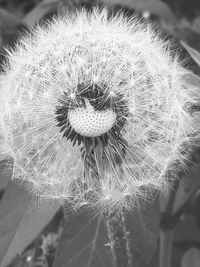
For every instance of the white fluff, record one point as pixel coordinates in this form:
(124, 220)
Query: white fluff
(132, 61)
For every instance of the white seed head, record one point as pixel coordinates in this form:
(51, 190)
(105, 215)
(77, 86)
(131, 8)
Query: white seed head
(95, 110)
(91, 123)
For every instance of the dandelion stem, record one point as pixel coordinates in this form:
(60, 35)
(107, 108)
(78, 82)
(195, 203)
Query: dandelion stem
(170, 219)
(119, 239)
(166, 238)
(167, 214)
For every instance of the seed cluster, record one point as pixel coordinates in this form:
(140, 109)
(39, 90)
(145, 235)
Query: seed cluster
(91, 114)
(94, 110)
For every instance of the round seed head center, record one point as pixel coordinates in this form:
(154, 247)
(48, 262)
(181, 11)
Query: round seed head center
(89, 122)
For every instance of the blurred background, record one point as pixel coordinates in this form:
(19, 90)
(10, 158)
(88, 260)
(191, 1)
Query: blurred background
(177, 19)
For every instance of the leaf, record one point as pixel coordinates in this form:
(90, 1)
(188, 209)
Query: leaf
(191, 258)
(83, 243)
(153, 6)
(187, 188)
(8, 20)
(26, 260)
(84, 240)
(21, 221)
(193, 53)
(143, 226)
(186, 230)
(39, 12)
(5, 173)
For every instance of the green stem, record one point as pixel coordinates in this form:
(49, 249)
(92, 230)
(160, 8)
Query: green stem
(169, 220)
(119, 239)
(166, 232)
(166, 238)
(176, 216)
(172, 197)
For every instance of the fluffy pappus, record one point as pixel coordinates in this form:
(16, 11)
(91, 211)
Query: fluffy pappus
(95, 110)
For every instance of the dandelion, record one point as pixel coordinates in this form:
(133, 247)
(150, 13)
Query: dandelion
(95, 110)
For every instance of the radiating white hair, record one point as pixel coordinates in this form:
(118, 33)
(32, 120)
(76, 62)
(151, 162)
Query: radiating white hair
(113, 73)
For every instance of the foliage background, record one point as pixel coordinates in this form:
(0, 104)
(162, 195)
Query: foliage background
(166, 232)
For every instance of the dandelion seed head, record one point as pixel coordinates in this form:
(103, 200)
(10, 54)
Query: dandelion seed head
(90, 123)
(93, 110)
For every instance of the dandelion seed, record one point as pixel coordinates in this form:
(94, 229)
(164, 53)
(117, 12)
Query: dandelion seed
(95, 110)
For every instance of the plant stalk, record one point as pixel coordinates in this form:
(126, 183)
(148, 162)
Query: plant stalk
(119, 239)
(165, 253)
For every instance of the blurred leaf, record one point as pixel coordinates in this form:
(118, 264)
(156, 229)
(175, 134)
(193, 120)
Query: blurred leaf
(190, 183)
(186, 230)
(153, 6)
(193, 53)
(8, 20)
(5, 173)
(21, 221)
(196, 208)
(143, 226)
(26, 260)
(37, 13)
(1, 42)
(84, 240)
(83, 243)
(191, 258)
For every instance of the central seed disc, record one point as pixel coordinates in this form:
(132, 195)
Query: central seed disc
(89, 122)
